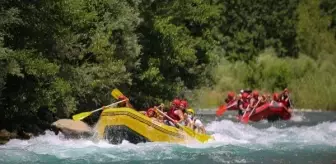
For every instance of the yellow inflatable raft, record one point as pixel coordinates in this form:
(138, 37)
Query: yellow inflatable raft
(117, 124)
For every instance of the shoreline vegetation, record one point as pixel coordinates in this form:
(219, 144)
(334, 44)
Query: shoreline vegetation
(62, 57)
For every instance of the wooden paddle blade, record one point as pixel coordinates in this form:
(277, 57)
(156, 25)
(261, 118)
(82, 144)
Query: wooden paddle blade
(116, 93)
(221, 109)
(81, 116)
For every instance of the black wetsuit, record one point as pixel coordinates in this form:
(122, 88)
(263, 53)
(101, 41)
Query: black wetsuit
(240, 102)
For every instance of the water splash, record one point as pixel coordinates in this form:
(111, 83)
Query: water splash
(228, 132)
(235, 143)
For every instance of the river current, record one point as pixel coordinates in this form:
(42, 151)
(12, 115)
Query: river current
(309, 137)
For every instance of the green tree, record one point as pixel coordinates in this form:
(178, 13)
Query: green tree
(178, 48)
(313, 29)
(63, 55)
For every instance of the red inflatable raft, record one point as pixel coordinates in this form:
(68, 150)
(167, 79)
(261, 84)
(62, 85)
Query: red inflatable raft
(271, 111)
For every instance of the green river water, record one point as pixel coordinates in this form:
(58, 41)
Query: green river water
(309, 137)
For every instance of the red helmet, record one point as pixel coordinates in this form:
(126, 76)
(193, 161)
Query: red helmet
(275, 96)
(255, 93)
(184, 104)
(245, 95)
(150, 110)
(176, 102)
(122, 97)
(231, 94)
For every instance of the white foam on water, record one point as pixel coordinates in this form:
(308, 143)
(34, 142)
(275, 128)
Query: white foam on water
(62, 148)
(298, 116)
(227, 132)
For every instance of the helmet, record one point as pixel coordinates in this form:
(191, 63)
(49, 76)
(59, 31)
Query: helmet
(150, 110)
(275, 96)
(184, 104)
(176, 102)
(245, 95)
(231, 94)
(122, 97)
(255, 93)
(190, 111)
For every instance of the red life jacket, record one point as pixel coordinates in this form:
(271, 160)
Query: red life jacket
(245, 104)
(172, 114)
(228, 100)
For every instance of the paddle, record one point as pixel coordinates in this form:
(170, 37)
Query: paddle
(221, 109)
(83, 115)
(116, 93)
(243, 117)
(189, 131)
(254, 108)
(246, 119)
(291, 105)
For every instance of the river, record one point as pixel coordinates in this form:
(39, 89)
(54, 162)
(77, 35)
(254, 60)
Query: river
(309, 137)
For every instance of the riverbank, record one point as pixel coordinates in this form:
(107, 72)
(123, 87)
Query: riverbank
(6, 136)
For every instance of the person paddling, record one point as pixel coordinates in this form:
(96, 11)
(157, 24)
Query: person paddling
(183, 108)
(284, 98)
(275, 99)
(125, 103)
(175, 112)
(231, 101)
(151, 113)
(193, 122)
(243, 103)
(230, 98)
(263, 99)
(255, 99)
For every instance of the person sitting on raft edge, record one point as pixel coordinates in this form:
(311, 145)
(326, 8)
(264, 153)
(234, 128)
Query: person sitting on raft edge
(152, 113)
(125, 103)
(230, 98)
(276, 100)
(183, 107)
(193, 122)
(176, 112)
(243, 103)
(255, 99)
(284, 98)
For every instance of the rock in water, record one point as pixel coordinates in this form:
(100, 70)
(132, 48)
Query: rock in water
(71, 128)
(4, 134)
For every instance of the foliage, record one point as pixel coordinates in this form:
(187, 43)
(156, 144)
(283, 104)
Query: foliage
(65, 56)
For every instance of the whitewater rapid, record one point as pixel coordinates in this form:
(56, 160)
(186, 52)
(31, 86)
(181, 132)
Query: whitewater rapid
(238, 143)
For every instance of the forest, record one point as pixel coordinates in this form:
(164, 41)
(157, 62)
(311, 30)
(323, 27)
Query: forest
(62, 57)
